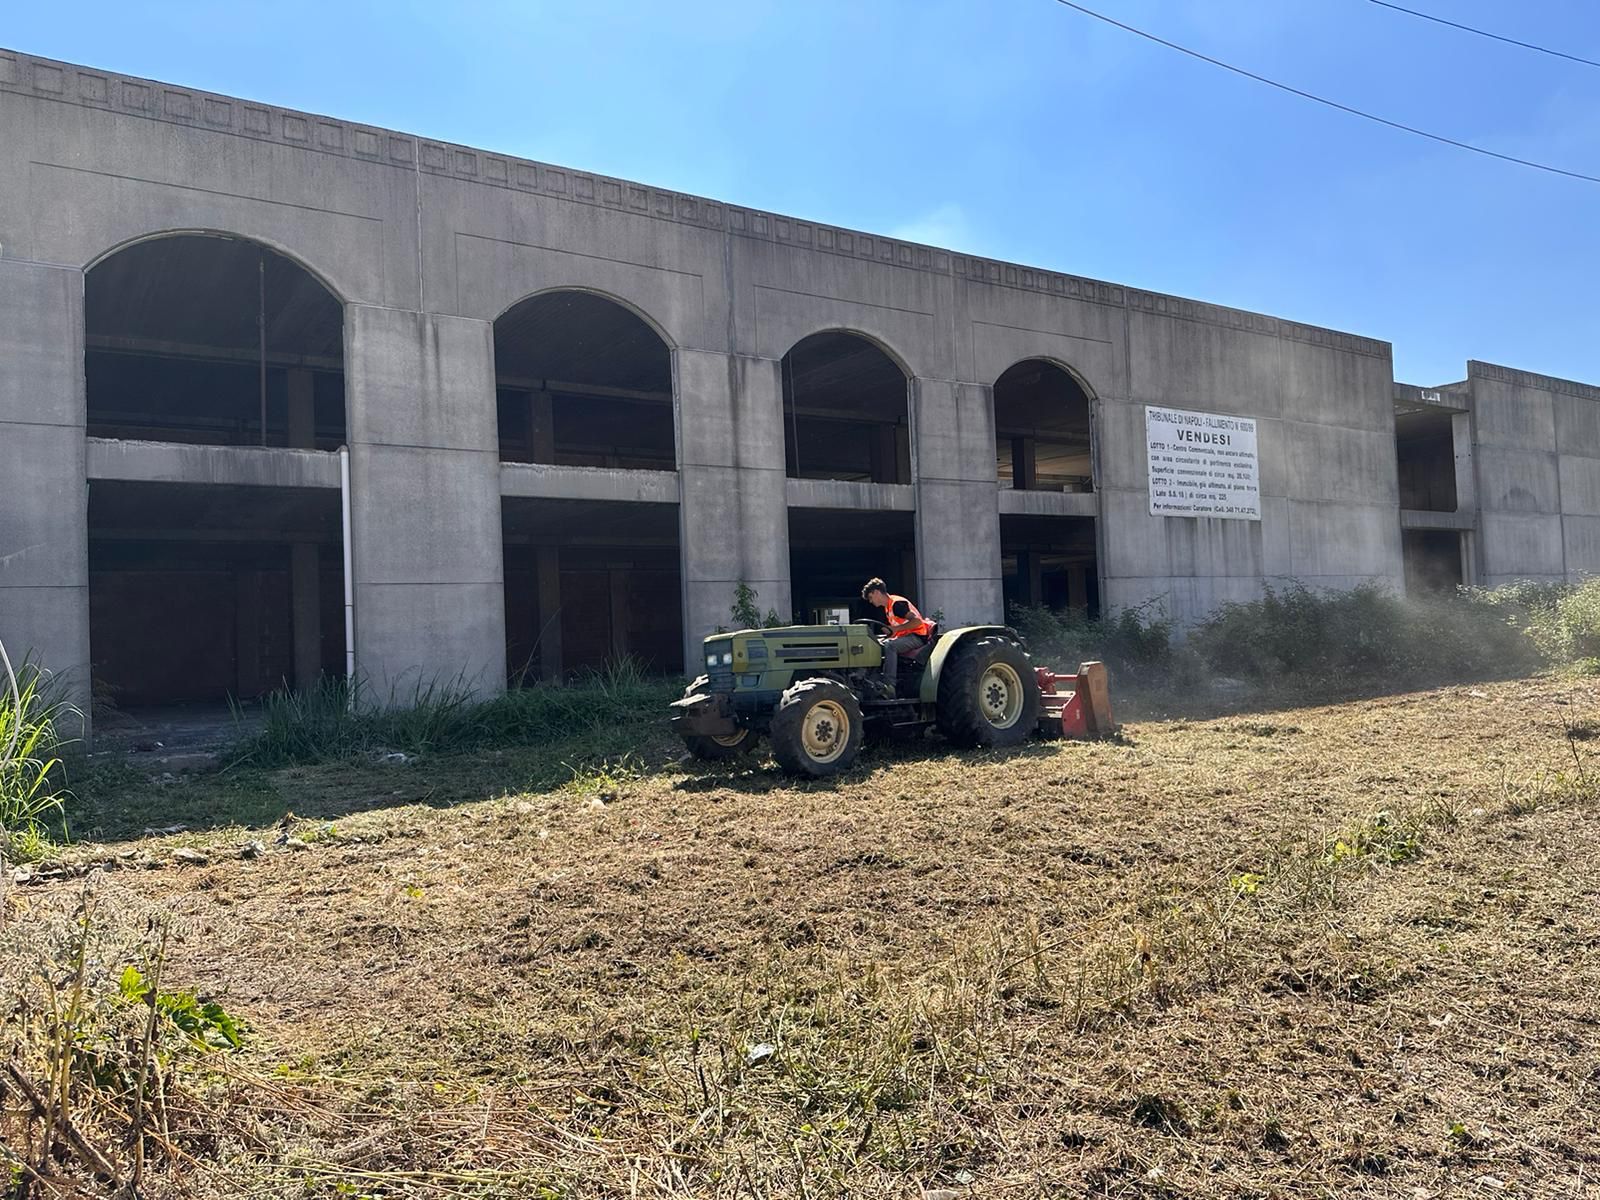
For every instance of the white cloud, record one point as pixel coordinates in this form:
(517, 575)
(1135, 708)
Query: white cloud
(944, 225)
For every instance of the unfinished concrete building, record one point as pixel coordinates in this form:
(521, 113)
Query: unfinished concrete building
(580, 414)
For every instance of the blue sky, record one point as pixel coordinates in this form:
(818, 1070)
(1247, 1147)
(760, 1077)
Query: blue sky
(1016, 129)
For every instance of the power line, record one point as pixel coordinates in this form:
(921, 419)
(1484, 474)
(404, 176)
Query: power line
(1510, 41)
(1345, 108)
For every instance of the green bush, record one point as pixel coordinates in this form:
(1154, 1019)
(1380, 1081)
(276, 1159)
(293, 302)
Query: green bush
(1297, 634)
(1133, 643)
(325, 722)
(1562, 619)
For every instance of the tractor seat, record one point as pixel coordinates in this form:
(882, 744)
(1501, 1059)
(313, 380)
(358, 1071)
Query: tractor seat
(921, 653)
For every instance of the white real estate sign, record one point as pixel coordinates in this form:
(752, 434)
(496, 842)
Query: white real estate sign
(1202, 464)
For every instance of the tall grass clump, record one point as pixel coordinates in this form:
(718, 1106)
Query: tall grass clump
(32, 789)
(333, 720)
(1311, 637)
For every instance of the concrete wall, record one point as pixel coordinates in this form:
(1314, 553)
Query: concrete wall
(1537, 458)
(427, 243)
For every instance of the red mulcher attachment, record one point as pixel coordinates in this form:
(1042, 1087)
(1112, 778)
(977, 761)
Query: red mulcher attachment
(1075, 706)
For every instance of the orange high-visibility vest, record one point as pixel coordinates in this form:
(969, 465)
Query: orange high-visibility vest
(915, 624)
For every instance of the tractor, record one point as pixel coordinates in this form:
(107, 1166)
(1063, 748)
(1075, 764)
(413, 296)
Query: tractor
(816, 693)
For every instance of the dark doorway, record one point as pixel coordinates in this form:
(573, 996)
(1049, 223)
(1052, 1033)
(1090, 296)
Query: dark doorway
(833, 552)
(1432, 560)
(589, 583)
(206, 593)
(1049, 562)
(845, 411)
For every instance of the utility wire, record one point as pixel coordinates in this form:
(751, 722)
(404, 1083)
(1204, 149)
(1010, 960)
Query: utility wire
(1345, 108)
(1510, 41)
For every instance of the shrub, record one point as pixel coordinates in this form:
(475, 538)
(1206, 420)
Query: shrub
(1311, 636)
(1132, 642)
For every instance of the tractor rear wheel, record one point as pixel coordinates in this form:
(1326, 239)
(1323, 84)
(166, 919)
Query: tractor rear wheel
(988, 694)
(716, 748)
(817, 728)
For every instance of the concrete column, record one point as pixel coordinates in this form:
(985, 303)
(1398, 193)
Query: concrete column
(733, 516)
(885, 454)
(44, 547)
(1078, 588)
(1466, 473)
(1030, 583)
(302, 409)
(541, 427)
(958, 518)
(549, 568)
(1024, 464)
(619, 614)
(247, 634)
(425, 495)
(305, 587)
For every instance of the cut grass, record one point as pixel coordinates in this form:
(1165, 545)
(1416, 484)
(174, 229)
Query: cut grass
(1133, 968)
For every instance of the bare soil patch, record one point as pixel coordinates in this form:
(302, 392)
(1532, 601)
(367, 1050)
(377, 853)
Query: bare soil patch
(1331, 951)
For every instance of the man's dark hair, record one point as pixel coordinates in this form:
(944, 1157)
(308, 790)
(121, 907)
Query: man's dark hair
(873, 585)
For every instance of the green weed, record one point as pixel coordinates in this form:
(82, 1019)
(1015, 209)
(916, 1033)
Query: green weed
(32, 792)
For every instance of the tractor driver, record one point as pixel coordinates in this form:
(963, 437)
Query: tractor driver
(908, 629)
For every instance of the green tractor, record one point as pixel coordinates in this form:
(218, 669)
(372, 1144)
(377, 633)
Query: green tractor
(816, 693)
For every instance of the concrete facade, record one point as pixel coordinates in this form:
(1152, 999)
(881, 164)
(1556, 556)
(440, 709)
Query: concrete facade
(425, 244)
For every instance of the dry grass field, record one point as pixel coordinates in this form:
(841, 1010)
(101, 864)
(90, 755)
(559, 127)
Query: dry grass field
(1344, 951)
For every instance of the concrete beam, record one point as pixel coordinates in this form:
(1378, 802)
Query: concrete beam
(851, 494)
(1050, 504)
(1416, 518)
(544, 481)
(247, 466)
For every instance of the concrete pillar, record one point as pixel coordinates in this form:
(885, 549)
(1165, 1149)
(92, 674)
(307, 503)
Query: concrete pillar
(302, 409)
(247, 634)
(549, 568)
(541, 427)
(425, 498)
(1030, 580)
(44, 547)
(305, 587)
(1078, 589)
(885, 454)
(619, 614)
(1466, 474)
(958, 519)
(1024, 464)
(733, 518)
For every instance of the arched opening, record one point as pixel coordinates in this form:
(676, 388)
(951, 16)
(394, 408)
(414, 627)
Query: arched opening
(213, 577)
(1042, 444)
(212, 339)
(583, 381)
(1041, 427)
(845, 410)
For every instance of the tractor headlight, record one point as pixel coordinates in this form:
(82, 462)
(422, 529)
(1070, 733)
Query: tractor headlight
(711, 660)
(727, 658)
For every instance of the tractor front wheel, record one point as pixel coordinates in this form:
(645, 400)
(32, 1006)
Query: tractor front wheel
(816, 729)
(717, 748)
(988, 694)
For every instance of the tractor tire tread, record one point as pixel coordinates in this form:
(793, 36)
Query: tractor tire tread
(959, 716)
(785, 734)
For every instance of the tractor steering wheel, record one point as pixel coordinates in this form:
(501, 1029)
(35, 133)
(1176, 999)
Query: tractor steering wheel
(882, 629)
